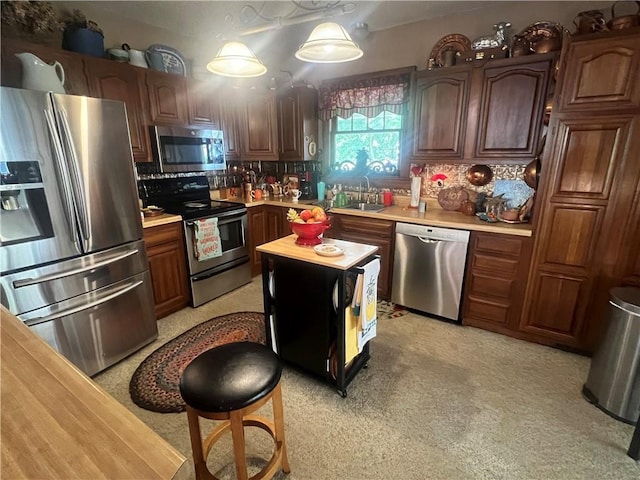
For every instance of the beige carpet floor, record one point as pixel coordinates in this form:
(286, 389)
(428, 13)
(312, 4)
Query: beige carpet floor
(438, 401)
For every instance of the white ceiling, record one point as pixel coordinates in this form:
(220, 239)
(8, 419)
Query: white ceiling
(198, 18)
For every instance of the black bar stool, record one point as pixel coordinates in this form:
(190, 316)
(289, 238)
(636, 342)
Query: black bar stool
(229, 383)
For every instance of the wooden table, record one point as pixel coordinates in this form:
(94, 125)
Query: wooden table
(58, 424)
(302, 308)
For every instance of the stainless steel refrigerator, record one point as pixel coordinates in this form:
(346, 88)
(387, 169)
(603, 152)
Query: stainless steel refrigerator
(73, 263)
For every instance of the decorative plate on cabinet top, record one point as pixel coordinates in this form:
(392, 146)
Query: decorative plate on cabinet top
(542, 30)
(454, 41)
(173, 59)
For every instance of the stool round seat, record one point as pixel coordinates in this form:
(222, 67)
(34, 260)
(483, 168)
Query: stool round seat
(229, 384)
(230, 377)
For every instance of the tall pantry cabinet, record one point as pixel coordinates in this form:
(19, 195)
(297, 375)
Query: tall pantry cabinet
(587, 216)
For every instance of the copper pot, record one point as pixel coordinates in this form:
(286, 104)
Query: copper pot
(547, 44)
(589, 21)
(520, 46)
(468, 208)
(624, 21)
(532, 173)
(479, 175)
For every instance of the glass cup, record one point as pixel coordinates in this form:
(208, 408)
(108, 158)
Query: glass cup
(321, 187)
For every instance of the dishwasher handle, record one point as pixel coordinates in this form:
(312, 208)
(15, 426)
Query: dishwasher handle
(428, 239)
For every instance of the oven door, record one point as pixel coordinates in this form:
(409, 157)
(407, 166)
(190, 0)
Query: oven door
(232, 226)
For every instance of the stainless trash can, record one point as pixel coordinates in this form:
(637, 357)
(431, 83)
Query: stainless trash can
(613, 383)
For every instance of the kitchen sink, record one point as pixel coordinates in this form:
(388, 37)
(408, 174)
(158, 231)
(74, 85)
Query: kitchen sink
(365, 207)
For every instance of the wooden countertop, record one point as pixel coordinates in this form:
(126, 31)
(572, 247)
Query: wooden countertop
(161, 219)
(434, 216)
(58, 424)
(437, 217)
(286, 247)
(279, 202)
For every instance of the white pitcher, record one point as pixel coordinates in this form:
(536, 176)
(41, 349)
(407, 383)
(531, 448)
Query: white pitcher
(38, 75)
(136, 57)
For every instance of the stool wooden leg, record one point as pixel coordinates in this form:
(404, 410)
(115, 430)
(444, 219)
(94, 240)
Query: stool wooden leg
(278, 420)
(237, 434)
(199, 462)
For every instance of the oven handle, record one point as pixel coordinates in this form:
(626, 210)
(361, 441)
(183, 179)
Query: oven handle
(221, 268)
(226, 216)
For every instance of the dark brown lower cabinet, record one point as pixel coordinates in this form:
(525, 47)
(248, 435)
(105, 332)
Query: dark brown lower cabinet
(371, 232)
(167, 264)
(257, 235)
(495, 282)
(277, 224)
(266, 224)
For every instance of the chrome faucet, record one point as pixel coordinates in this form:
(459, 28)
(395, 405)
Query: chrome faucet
(360, 196)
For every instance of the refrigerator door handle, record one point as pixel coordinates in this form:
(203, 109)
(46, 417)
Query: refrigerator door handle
(76, 182)
(58, 154)
(84, 306)
(26, 282)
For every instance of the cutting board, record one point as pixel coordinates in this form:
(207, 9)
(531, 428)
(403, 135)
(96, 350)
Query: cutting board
(451, 198)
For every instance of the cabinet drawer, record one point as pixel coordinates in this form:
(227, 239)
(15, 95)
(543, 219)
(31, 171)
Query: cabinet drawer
(490, 285)
(509, 266)
(171, 232)
(486, 310)
(499, 244)
(367, 226)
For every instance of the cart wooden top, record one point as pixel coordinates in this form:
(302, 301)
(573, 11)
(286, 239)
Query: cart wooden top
(285, 247)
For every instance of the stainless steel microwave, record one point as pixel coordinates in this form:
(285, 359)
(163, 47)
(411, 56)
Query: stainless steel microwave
(178, 149)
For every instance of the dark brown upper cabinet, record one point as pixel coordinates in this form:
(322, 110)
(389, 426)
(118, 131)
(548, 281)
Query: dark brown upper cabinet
(204, 108)
(440, 105)
(511, 107)
(120, 81)
(230, 127)
(297, 110)
(167, 98)
(488, 113)
(606, 77)
(249, 123)
(258, 126)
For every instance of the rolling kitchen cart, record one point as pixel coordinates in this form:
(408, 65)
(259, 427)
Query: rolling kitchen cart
(305, 301)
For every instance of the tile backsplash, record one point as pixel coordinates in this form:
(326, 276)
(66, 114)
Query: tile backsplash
(457, 175)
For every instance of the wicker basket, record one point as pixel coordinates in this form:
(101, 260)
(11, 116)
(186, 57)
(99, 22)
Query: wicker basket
(401, 200)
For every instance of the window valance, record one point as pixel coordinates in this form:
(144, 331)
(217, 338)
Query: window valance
(368, 94)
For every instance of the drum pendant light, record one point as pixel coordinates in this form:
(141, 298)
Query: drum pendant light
(235, 59)
(329, 43)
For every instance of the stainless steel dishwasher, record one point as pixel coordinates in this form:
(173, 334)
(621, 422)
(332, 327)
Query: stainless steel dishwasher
(428, 269)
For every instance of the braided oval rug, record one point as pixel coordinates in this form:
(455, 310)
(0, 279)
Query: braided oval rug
(155, 383)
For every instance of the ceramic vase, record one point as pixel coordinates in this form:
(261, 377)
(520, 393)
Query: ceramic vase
(415, 192)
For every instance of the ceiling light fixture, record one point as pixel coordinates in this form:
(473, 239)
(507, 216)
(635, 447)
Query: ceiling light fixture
(235, 59)
(329, 43)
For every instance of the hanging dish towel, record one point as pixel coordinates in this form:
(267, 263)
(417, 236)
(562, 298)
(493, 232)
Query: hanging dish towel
(206, 239)
(369, 299)
(351, 331)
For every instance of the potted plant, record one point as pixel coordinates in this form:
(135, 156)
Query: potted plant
(32, 21)
(81, 35)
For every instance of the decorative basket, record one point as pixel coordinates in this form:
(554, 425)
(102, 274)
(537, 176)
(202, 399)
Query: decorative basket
(402, 200)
